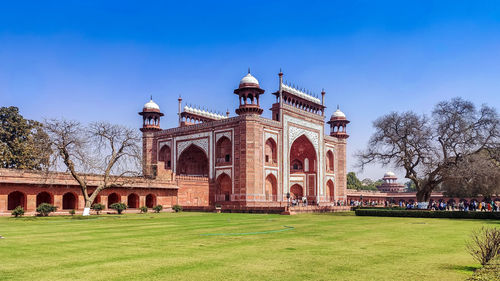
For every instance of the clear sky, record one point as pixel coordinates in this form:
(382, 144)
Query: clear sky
(89, 60)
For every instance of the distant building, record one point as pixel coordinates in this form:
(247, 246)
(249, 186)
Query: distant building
(390, 184)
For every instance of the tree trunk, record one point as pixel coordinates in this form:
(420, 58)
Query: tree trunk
(86, 210)
(423, 197)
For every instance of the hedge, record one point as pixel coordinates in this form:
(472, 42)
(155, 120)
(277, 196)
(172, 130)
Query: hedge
(377, 208)
(428, 214)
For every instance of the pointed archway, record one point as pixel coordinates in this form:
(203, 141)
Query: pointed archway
(303, 162)
(296, 191)
(193, 162)
(150, 200)
(330, 190)
(113, 198)
(224, 188)
(271, 188)
(44, 197)
(69, 201)
(15, 199)
(133, 201)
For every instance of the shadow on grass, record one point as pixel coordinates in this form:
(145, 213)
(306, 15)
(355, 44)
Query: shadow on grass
(468, 269)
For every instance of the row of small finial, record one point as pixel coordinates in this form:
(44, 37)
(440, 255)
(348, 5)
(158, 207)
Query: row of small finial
(203, 111)
(303, 90)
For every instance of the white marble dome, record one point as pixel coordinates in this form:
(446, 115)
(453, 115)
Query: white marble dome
(338, 114)
(152, 105)
(389, 175)
(249, 79)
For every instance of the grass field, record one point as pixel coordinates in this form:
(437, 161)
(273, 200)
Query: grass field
(189, 246)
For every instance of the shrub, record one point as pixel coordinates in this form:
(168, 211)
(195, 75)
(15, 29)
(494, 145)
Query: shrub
(490, 271)
(158, 208)
(428, 214)
(72, 212)
(18, 211)
(177, 208)
(45, 209)
(484, 244)
(143, 209)
(119, 207)
(97, 207)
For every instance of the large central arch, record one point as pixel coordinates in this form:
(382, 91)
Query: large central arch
(193, 162)
(302, 151)
(303, 162)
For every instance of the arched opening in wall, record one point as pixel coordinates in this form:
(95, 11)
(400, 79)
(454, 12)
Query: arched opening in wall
(329, 161)
(296, 166)
(271, 152)
(150, 200)
(43, 197)
(69, 201)
(15, 199)
(302, 151)
(330, 190)
(271, 188)
(223, 151)
(166, 156)
(193, 162)
(296, 191)
(224, 188)
(133, 201)
(113, 198)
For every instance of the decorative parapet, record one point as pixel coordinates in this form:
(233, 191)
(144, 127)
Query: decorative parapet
(299, 93)
(204, 113)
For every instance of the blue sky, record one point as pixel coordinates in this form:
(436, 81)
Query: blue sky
(88, 60)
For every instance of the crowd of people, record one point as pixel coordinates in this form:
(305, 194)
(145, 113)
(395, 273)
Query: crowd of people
(483, 206)
(463, 205)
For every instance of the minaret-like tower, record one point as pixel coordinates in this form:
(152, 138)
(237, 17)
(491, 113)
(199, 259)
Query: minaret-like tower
(249, 92)
(150, 123)
(338, 123)
(150, 117)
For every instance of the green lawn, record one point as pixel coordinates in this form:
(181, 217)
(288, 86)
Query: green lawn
(170, 246)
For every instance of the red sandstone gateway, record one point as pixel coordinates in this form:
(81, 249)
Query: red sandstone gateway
(245, 162)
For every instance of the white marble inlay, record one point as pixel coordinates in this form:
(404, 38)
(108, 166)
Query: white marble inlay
(201, 143)
(224, 134)
(219, 172)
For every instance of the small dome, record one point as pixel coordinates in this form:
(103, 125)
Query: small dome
(151, 105)
(249, 79)
(338, 114)
(389, 175)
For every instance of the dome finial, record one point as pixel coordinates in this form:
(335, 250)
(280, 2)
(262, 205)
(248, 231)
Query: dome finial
(338, 107)
(151, 97)
(249, 70)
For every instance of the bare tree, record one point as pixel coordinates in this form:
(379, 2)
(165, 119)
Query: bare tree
(426, 147)
(475, 175)
(110, 153)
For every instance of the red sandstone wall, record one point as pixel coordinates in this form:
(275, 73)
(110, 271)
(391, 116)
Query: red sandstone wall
(165, 197)
(341, 170)
(193, 191)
